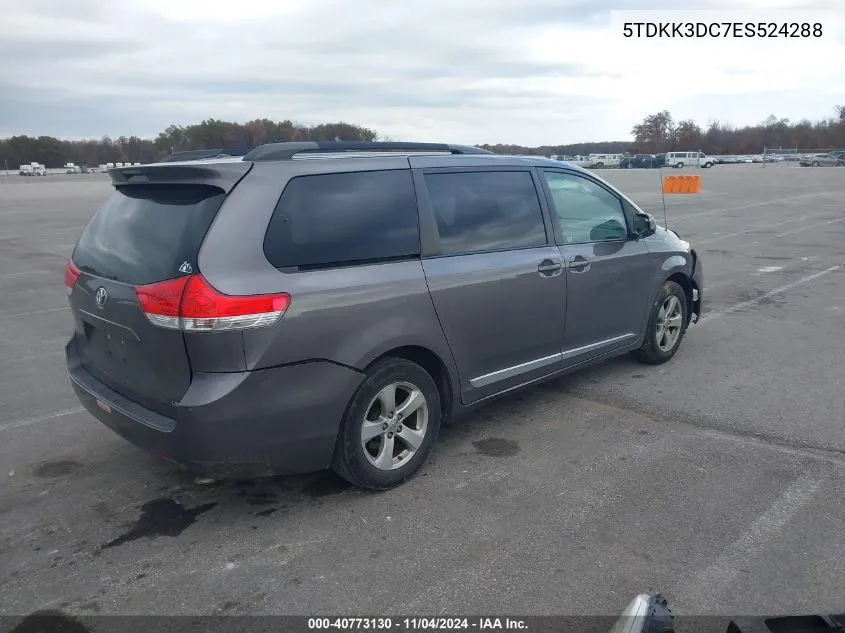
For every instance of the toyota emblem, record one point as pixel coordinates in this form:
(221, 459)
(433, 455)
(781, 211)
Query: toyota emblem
(100, 297)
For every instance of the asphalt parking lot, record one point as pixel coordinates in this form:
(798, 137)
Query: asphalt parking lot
(716, 478)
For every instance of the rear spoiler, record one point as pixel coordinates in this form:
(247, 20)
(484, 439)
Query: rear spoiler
(201, 154)
(224, 175)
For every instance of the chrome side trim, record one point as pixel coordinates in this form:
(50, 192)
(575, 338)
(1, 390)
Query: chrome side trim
(510, 372)
(577, 351)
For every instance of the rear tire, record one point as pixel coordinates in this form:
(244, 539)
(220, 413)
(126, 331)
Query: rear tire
(679, 165)
(667, 324)
(390, 426)
(815, 163)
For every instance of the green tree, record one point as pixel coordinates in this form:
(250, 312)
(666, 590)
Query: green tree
(688, 135)
(656, 132)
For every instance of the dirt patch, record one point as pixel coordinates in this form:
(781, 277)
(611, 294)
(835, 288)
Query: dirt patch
(496, 447)
(56, 468)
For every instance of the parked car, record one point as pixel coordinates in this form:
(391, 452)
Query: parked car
(638, 161)
(580, 161)
(603, 161)
(691, 159)
(316, 305)
(33, 169)
(821, 160)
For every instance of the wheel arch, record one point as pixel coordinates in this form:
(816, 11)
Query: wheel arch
(433, 364)
(684, 281)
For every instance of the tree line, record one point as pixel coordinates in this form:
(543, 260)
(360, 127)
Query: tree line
(209, 134)
(658, 132)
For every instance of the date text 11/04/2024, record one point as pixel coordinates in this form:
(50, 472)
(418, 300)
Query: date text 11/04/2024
(749, 30)
(416, 624)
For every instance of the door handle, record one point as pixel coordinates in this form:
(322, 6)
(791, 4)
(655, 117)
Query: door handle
(579, 264)
(549, 268)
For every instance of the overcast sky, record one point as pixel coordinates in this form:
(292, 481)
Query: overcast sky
(529, 72)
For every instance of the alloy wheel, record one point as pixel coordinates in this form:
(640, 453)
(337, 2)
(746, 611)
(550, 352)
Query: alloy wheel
(669, 324)
(394, 426)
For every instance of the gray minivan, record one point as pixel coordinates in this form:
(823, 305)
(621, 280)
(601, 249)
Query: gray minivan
(316, 305)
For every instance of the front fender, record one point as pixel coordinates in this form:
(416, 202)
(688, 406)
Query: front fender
(689, 266)
(698, 287)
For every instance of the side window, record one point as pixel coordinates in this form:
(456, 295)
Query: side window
(483, 211)
(586, 212)
(338, 219)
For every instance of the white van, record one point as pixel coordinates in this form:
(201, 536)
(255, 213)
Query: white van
(692, 159)
(600, 161)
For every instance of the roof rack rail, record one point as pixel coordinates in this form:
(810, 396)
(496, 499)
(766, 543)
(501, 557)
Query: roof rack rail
(286, 151)
(202, 154)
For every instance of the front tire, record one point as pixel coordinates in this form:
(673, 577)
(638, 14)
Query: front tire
(815, 163)
(679, 165)
(667, 324)
(390, 426)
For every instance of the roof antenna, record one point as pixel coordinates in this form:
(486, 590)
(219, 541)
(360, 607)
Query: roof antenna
(663, 196)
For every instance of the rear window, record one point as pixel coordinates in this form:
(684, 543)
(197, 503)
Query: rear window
(342, 219)
(144, 234)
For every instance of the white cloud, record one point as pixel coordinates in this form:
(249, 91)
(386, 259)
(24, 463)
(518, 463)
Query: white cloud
(530, 72)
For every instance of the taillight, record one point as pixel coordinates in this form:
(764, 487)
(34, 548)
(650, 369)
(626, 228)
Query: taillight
(190, 303)
(71, 275)
(161, 301)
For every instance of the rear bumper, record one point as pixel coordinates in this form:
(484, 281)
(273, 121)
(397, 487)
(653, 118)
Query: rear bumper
(282, 420)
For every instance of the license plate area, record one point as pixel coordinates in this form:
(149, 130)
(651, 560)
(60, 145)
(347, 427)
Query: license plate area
(106, 346)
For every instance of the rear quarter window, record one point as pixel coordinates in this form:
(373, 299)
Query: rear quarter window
(342, 219)
(146, 233)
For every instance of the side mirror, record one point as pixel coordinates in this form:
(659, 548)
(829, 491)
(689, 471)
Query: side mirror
(644, 225)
